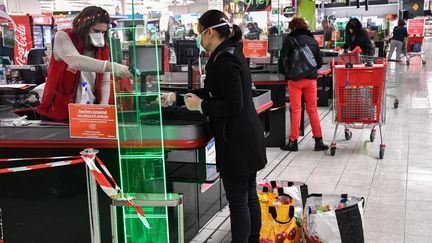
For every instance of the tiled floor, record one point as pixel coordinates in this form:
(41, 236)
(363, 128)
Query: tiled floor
(398, 188)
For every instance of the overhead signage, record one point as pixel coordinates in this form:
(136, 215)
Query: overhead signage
(257, 5)
(92, 121)
(416, 26)
(288, 11)
(255, 48)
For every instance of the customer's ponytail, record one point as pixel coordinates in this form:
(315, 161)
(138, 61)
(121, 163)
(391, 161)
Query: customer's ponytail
(237, 33)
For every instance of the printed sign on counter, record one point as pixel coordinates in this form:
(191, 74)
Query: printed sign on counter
(211, 152)
(92, 121)
(255, 48)
(320, 39)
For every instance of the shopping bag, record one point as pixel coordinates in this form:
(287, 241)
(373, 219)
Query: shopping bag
(277, 217)
(298, 191)
(333, 218)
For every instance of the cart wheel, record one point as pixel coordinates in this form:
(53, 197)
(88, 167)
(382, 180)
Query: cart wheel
(372, 135)
(381, 152)
(424, 62)
(407, 62)
(333, 151)
(348, 135)
(396, 104)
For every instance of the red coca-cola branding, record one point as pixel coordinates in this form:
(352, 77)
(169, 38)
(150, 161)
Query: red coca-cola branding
(23, 39)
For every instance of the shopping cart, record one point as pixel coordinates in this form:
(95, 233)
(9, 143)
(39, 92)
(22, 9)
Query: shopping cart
(356, 58)
(414, 42)
(359, 98)
(391, 83)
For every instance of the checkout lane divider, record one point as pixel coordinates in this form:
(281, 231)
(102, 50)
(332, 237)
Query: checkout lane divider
(88, 157)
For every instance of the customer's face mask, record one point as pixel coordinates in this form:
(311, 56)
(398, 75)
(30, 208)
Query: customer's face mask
(97, 39)
(203, 49)
(199, 37)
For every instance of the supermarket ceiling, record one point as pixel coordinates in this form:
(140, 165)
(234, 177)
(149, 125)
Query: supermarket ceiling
(109, 5)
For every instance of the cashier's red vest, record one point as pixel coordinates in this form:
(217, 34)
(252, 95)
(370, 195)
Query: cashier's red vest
(62, 83)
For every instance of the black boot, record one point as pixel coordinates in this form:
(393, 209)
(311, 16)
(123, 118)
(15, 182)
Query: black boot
(319, 145)
(291, 146)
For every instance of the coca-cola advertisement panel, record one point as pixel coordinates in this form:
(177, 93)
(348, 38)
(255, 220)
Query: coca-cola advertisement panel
(23, 39)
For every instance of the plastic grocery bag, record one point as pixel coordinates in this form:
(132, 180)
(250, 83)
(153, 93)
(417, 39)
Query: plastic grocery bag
(278, 221)
(298, 191)
(333, 218)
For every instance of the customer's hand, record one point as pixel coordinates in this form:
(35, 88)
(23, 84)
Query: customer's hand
(120, 70)
(193, 102)
(168, 99)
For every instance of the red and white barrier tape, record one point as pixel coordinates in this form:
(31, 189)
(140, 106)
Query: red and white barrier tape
(42, 158)
(114, 192)
(41, 166)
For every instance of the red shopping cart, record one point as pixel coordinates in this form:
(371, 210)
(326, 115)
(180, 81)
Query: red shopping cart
(414, 48)
(359, 98)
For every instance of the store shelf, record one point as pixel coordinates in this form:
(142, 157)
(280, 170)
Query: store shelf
(428, 25)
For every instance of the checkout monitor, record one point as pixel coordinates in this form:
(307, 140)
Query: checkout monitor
(275, 42)
(181, 50)
(146, 59)
(38, 72)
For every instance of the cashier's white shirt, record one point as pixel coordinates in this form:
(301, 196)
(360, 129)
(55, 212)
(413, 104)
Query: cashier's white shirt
(65, 50)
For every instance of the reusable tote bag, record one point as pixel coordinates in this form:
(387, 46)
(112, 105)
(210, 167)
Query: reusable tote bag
(279, 224)
(298, 191)
(333, 218)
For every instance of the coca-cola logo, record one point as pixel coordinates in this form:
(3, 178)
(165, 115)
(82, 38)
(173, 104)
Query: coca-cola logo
(21, 44)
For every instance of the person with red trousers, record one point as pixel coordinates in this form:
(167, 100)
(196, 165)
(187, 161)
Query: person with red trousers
(80, 63)
(306, 87)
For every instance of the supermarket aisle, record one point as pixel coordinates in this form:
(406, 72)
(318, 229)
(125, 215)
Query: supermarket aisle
(398, 188)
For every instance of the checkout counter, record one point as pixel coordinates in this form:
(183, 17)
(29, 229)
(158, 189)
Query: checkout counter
(52, 206)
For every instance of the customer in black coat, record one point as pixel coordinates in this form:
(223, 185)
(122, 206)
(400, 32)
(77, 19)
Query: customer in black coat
(357, 36)
(226, 100)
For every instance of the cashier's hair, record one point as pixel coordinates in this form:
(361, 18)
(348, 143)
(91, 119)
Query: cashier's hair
(88, 17)
(214, 17)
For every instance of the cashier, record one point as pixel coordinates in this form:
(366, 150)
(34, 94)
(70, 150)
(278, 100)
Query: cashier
(226, 100)
(79, 70)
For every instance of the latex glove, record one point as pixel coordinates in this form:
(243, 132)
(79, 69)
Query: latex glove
(193, 102)
(121, 71)
(168, 99)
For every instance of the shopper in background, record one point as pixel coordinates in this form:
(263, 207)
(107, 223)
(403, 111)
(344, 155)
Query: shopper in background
(357, 36)
(254, 31)
(306, 87)
(80, 62)
(273, 31)
(397, 41)
(191, 34)
(239, 136)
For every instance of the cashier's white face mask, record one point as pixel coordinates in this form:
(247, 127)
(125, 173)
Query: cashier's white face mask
(97, 39)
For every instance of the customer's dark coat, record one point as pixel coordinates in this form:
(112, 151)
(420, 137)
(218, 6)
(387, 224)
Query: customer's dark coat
(303, 36)
(233, 120)
(360, 38)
